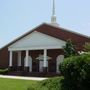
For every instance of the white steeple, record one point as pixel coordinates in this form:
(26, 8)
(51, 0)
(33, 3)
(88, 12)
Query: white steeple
(53, 17)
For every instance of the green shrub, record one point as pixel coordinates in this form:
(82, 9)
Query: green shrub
(51, 84)
(48, 84)
(4, 71)
(69, 49)
(76, 72)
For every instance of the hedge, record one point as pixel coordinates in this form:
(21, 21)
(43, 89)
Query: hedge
(76, 72)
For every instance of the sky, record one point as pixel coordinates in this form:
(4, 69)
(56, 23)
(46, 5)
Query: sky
(20, 16)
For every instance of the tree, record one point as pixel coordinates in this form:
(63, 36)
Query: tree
(69, 49)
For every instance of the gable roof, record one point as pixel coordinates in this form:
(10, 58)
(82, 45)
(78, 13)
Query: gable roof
(62, 33)
(57, 32)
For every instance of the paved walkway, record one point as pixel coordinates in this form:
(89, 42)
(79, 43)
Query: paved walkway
(23, 78)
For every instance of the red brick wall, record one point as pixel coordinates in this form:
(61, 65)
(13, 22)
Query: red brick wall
(4, 57)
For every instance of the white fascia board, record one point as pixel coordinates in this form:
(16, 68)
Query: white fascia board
(35, 48)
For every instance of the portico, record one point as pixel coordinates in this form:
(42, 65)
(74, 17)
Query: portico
(36, 41)
(27, 62)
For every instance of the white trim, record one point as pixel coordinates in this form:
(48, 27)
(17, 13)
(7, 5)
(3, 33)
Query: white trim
(35, 48)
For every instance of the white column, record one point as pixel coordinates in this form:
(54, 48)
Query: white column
(19, 58)
(30, 63)
(45, 58)
(10, 59)
(27, 57)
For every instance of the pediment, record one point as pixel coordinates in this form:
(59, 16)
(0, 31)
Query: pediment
(37, 40)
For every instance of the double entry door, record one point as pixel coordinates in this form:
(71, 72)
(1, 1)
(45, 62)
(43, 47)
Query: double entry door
(41, 64)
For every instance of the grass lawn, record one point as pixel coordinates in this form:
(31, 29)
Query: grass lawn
(15, 84)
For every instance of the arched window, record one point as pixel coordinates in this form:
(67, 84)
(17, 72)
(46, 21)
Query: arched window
(58, 61)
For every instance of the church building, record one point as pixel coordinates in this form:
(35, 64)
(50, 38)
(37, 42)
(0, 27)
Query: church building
(40, 50)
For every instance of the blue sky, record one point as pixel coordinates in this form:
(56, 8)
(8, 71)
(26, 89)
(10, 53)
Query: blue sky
(20, 16)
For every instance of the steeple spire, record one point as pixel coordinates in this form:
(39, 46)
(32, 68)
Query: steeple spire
(53, 17)
(53, 13)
